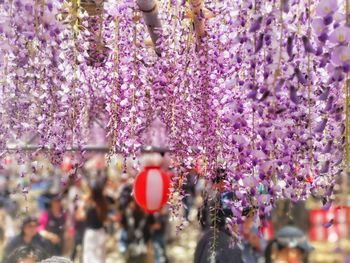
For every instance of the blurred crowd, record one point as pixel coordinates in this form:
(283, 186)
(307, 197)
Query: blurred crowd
(76, 221)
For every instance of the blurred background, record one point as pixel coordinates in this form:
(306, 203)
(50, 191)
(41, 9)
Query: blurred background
(66, 205)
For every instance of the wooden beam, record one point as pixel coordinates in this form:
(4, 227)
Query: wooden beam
(32, 147)
(149, 11)
(198, 18)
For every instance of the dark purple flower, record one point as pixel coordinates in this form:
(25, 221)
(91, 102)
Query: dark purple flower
(269, 59)
(325, 93)
(279, 85)
(293, 94)
(323, 37)
(329, 223)
(252, 94)
(265, 95)
(300, 76)
(259, 43)
(328, 147)
(18, 4)
(346, 68)
(329, 104)
(337, 76)
(321, 125)
(328, 19)
(268, 21)
(255, 26)
(285, 5)
(319, 51)
(307, 45)
(28, 8)
(326, 206)
(325, 167)
(252, 191)
(290, 46)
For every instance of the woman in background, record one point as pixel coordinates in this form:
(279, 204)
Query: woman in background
(53, 224)
(27, 236)
(96, 212)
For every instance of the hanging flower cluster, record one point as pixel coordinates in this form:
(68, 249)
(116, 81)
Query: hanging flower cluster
(254, 87)
(44, 57)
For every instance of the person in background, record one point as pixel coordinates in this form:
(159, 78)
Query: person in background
(26, 254)
(222, 251)
(96, 214)
(159, 223)
(53, 224)
(289, 246)
(190, 190)
(28, 236)
(8, 209)
(216, 200)
(77, 220)
(253, 246)
(124, 199)
(137, 226)
(247, 252)
(124, 196)
(44, 201)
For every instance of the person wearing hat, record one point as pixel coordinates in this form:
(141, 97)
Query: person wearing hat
(28, 236)
(218, 204)
(253, 244)
(289, 246)
(52, 225)
(216, 199)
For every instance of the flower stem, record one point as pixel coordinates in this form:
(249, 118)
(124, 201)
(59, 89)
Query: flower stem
(347, 11)
(309, 87)
(347, 102)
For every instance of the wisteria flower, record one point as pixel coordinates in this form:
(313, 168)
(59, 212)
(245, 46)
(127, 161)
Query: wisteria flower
(326, 7)
(341, 56)
(340, 35)
(318, 26)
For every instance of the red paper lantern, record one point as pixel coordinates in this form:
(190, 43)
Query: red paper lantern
(67, 164)
(151, 189)
(7, 161)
